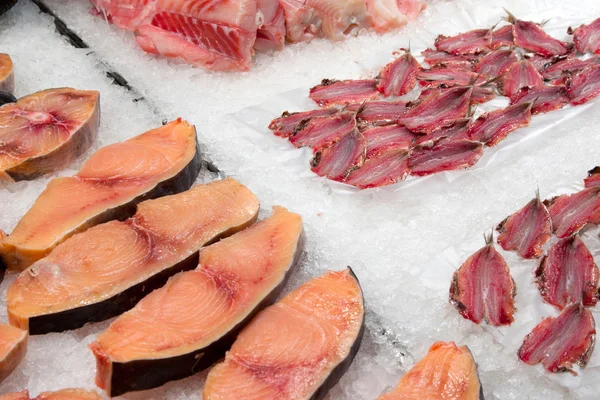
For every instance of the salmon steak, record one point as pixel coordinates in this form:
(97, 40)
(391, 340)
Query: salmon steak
(47, 131)
(156, 342)
(7, 77)
(64, 394)
(13, 346)
(110, 183)
(447, 372)
(324, 318)
(106, 270)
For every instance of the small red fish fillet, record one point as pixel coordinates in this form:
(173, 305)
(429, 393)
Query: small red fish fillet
(436, 58)
(271, 32)
(568, 274)
(567, 66)
(285, 126)
(380, 170)
(543, 98)
(495, 63)
(374, 110)
(531, 37)
(541, 62)
(519, 75)
(587, 37)
(392, 14)
(399, 77)
(471, 42)
(381, 139)
(593, 178)
(482, 288)
(492, 127)
(584, 86)
(448, 77)
(456, 131)
(437, 110)
(527, 230)
(323, 131)
(571, 212)
(332, 91)
(444, 155)
(337, 161)
(502, 36)
(560, 342)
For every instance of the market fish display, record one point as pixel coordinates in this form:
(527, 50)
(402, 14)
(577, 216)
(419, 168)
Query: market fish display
(7, 77)
(296, 349)
(163, 339)
(100, 273)
(64, 394)
(46, 131)
(110, 183)
(13, 346)
(446, 372)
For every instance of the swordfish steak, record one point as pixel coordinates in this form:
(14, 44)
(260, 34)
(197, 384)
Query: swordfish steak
(164, 338)
(110, 183)
(100, 273)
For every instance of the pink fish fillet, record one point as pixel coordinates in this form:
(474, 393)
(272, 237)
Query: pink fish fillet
(380, 170)
(271, 31)
(471, 42)
(289, 123)
(320, 132)
(587, 37)
(502, 36)
(567, 67)
(519, 75)
(392, 14)
(381, 139)
(481, 93)
(444, 155)
(437, 58)
(531, 37)
(456, 131)
(378, 111)
(448, 77)
(585, 85)
(341, 158)
(399, 77)
(572, 212)
(543, 98)
(495, 63)
(494, 126)
(332, 91)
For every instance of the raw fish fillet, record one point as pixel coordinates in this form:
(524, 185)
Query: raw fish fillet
(519, 75)
(587, 37)
(331, 91)
(482, 289)
(296, 349)
(380, 170)
(7, 77)
(381, 139)
(47, 131)
(495, 63)
(568, 274)
(448, 77)
(458, 130)
(106, 270)
(110, 183)
(592, 180)
(162, 338)
(400, 76)
(502, 36)
(559, 342)
(572, 212)
(543, 98)
(285, 126)
(567, 67)
(541, 62)
(437, 110)
(532, 38)
(436, 58)
(321, 132)
(271, 31)
(13, 346)
(378, 111)
(585, 85)
(444, 155)
(494, 126)
(471, 42)
(481, 94)
(64, 394)
(392, 14)
(527, 230)
(337, 161)
(447, 372)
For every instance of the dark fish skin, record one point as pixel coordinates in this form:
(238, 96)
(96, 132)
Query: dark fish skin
(587, 37)
(494, 126)
(331, 91)
(585, 85)
(399, 77)
(572, 212)
(593, 178)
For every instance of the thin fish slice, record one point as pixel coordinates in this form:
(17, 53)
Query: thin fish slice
(566, 67)
(527, 230)
(592, 180)
(585, 85)
(495, 63)
(378, 111)
(458, 130)
(286, 125)
(436, 58)
(444, 155)
(482, 289)
(106, 270)
(480, 95)
(559, 342)
(332, 91)
(448, 77)
(502, 37)
(471, 42)
(64, 394)
(162, 338)
(437, 110)
(321, 132)
(531, 37)
(381, 170)
(110, 183)
(519, 75)
(587, 37)
(13, 346)
(541, 62)
(381, 139)
(543, 98)
(572, 212)
(400, 76)
(568, 274)
(494, 126)
(296, 349)
(337, 161)
(447, 372)
(7, 77)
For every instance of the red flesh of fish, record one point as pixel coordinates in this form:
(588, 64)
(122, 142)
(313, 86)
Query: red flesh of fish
(337, 161)
(399, 77)
(374, 111)
(502, 36)
(380, 170)
(481, 94)
(572, 212)
(543, 98)
(436, 58)
(323, 131)
(531, 37)
(456, 131)
(593, 178)
(471, 42)
(285, 126)
(584, 86)
(448, 77)
(331, 91)
(519, 75)
(381, 139)
(492, 127)
(566, 67)
(587, 37)
(495, 63)
(271, 33)
(444, 155)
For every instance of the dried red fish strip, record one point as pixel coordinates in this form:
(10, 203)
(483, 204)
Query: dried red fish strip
(587, 37)
(527, 230)
(381, 170)
(572, 212)
(332, 91)
(492, 127)
(285, 125)
(519, 75)
(444, 155)
(495, 63)
(502, 36)
(458, 130)
(567, 67)
(381, 139)
(568, 274)
(541, 62)
(436, 58)
(448, 77)
(531, 37)
(321, 132)
(543, 98)
(560, 342)
(593, 178)
(585, 85)
(439, 109)
(471, 42)
(337, 161)
(482, 288)
(399, 77)
(378, 111)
